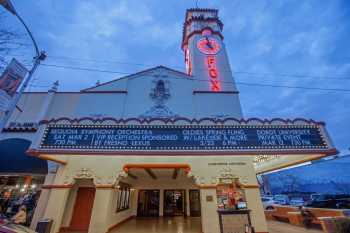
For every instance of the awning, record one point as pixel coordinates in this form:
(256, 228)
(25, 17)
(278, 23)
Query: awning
(14, 160)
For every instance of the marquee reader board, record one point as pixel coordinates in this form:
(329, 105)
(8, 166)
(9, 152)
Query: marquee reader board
(183, 137)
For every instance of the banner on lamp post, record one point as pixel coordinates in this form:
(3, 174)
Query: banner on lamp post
(12, 77)
(10, 81)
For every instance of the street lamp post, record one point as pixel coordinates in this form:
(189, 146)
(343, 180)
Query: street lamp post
(40, 56)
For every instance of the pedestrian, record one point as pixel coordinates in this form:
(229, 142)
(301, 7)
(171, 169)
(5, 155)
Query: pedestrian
(308, 217)
(5, 204)
(21, 216)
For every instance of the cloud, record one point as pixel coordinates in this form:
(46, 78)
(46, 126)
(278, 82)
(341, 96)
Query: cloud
(264, 37)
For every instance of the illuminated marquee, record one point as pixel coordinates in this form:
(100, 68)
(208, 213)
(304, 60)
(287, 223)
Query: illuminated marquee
(188, 62)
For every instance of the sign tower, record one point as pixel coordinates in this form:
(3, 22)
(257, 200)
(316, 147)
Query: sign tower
(205, 53)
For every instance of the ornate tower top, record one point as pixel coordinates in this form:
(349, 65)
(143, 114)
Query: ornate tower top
(205, 53)
(199, 19)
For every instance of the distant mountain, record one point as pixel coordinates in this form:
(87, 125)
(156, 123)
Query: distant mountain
(323, 176)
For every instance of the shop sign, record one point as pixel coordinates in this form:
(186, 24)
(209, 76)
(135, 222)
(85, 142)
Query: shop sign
(183, 137)
(23, 125)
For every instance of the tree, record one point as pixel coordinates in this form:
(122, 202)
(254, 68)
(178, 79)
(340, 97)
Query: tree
(10, 40)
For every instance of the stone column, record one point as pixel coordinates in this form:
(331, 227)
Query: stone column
(43, 199)
(209, 216)
(56, 205)
(161, 202)
(187, 195)
(101, 211)
(257, 214)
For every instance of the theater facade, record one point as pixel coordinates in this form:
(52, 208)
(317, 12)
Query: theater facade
(162, 143)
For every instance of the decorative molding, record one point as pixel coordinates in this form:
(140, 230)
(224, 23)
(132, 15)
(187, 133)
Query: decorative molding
(225, 176)
(88, 173)
(159, 111)
(91, 89)
(57, 186)
(327, 152)
(228, 176)
(209, 186)
(121, 174)
(186, 167)
(84, 173)
(184, 119)
(36, 153)
(185, 38)
(106, 186)
(198, 180)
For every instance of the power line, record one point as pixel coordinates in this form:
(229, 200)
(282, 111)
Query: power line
(236, 72)
(202, 80)
(295, 87)
(84, 69)
(174, 66)
(292, 75)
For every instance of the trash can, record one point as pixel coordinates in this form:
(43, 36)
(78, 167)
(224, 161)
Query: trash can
(44, 226)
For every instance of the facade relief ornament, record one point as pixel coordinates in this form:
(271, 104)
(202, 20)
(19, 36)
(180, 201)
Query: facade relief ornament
(120, 175)
(82, 173)
(159, 94)
(228, 176)
(198, 180)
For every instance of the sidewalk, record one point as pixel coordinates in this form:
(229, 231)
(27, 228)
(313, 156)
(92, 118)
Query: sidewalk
(281, 227)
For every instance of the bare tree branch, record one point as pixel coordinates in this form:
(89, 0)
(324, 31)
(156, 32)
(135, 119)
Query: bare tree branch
(10, 40)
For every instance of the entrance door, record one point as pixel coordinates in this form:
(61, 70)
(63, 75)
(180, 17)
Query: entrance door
(174, 202)
(148, 203)
(195, 203)
(82, 209)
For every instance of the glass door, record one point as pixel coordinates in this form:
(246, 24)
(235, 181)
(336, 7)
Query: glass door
(174, 202)
(195, 203)
(148, 203)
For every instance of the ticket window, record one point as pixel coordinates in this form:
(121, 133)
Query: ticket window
(230, 196)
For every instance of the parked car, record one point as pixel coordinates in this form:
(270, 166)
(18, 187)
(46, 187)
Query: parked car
(297, 201)
(333, 201)
(267, 202)
(281, 199)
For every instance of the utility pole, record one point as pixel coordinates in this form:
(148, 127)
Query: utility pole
(40, 56)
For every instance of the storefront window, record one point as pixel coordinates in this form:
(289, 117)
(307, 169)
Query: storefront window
(123, 197)
(18, 191)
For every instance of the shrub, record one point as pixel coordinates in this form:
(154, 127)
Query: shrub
(342, 225)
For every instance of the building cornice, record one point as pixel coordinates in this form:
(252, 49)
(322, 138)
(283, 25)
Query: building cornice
(194, 121)
(324, 152)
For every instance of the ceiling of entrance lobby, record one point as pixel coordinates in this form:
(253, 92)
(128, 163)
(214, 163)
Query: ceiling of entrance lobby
(156, 173)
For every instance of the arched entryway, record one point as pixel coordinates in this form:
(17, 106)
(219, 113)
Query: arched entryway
(162, 198)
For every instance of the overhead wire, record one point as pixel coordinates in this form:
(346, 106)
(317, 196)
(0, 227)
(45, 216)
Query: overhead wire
(202, 80)
(175, 66)
(246, 73)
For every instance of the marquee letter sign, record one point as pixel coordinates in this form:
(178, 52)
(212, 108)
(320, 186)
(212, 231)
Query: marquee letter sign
(213, 73)
(184, 137)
